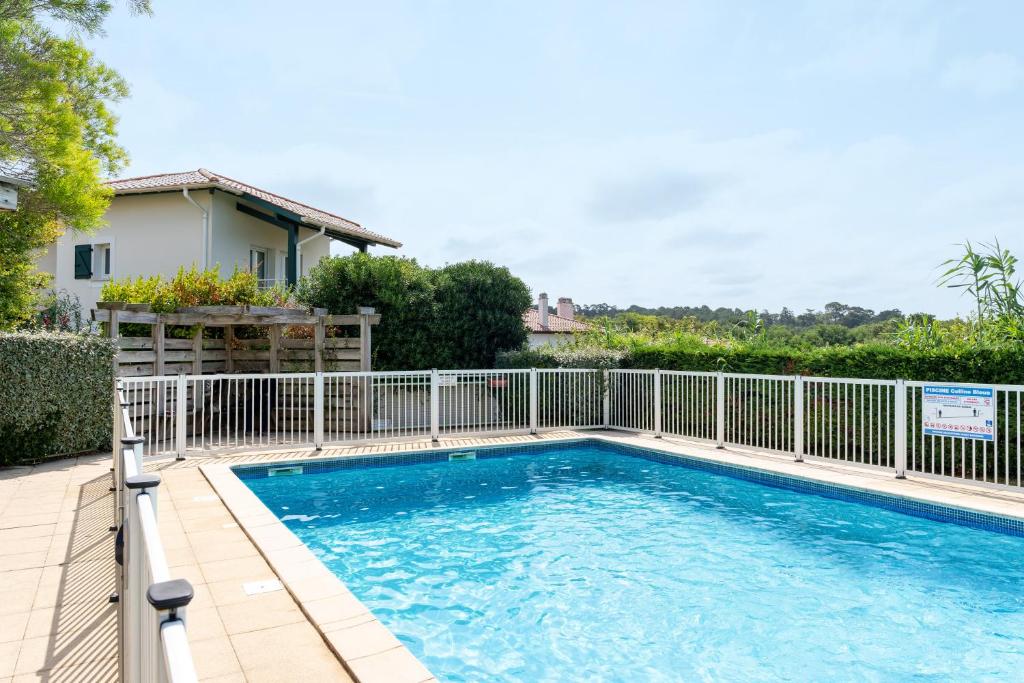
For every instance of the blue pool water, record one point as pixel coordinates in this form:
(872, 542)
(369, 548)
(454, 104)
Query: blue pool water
(586, 564)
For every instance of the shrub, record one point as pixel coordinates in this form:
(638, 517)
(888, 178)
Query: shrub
(194, 287)
(55, 393)
(459, 316)
(874, 361)
(59, 311)
(398, 288)
(480, 312)
(566, 356)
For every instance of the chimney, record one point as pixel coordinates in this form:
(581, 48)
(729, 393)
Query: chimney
(565, 308)
(542, 309)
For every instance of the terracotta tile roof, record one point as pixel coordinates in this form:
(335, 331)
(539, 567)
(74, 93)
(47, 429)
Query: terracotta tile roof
(556, 324)
(202, 178)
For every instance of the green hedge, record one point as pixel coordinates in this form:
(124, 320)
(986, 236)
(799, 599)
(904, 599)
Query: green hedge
(55, 391)
(875, 361)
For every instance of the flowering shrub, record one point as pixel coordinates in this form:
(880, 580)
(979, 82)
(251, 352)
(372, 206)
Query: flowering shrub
(195, 287)
(59, 312)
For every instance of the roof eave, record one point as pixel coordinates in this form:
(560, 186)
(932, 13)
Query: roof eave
(351, 234)
(173, 188)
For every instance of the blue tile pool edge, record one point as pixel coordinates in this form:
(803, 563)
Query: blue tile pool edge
(949, 514)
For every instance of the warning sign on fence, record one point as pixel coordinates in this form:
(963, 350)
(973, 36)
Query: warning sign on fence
(965, 412)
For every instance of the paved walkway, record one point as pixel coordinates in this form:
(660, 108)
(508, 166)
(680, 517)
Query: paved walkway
(56, 571)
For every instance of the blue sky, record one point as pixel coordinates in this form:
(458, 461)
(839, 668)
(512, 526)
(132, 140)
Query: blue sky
(744, 154)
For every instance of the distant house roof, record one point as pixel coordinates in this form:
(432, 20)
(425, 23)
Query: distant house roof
(203, 179)
(556, 323)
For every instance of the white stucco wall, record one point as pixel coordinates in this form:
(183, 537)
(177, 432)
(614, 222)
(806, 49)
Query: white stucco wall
(154, 234)
(234, 233)
(149, 235)
(548, 339)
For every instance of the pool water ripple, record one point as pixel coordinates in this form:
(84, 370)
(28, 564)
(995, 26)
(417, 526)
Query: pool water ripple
(587, 564)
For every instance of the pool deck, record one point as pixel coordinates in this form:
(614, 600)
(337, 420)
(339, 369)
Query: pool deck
(57, 568)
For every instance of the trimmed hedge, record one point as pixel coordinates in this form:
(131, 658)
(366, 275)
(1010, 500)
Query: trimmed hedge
(55, 391)
(871, 361)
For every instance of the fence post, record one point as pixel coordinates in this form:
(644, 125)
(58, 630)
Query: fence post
(900, 431)
(318, 411)
(134, 567)
(533, 400)
(606, 400)
(657, 403)
(115, 438)
(720, 410)
(115, 453)
(435, 405)
(180, 401)
(798, 418)
(364, 337)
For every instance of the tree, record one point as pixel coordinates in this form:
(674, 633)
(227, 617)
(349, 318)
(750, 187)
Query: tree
(56, 132)
(459, 316)
(480, 313)
(399, 289)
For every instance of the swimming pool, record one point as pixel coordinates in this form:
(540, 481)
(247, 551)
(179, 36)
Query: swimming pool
(592, 561)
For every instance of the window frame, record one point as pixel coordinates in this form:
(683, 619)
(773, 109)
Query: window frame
(254, 249)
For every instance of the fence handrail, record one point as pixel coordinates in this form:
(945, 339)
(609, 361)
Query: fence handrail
(858, 420)
(151, 647)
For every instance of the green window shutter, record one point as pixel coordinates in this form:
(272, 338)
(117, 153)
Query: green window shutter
(83, 261)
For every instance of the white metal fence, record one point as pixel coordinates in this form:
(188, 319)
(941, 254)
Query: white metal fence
(857, 421)
(153, 645)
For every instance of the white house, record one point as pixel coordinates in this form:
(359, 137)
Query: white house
(158, 223)
(547, 329)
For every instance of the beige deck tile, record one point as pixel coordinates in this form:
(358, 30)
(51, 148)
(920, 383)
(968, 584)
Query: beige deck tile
(15, 601)
(21, 578)
(76, 648)
(228, 678)
(246, 569)
(394, 666)
(178, 557)
(362, 640)
(228, 592)
(9, 657)
(214, 657)
(9, 536)
(69, 617)
(12, 626)
(203, 623)
(266, 610)
(287, 653)
(339, 606)
(25, 545)
(23, 561)
(211, 552)
(104, 670)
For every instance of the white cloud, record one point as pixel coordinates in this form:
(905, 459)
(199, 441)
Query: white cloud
(988, 74)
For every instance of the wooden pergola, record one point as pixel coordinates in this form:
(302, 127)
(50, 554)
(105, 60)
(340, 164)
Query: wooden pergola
(159, 355)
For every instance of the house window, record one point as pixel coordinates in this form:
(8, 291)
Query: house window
(258, 263)
(101, 258)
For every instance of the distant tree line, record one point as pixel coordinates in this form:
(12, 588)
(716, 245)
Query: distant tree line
(834, 313)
